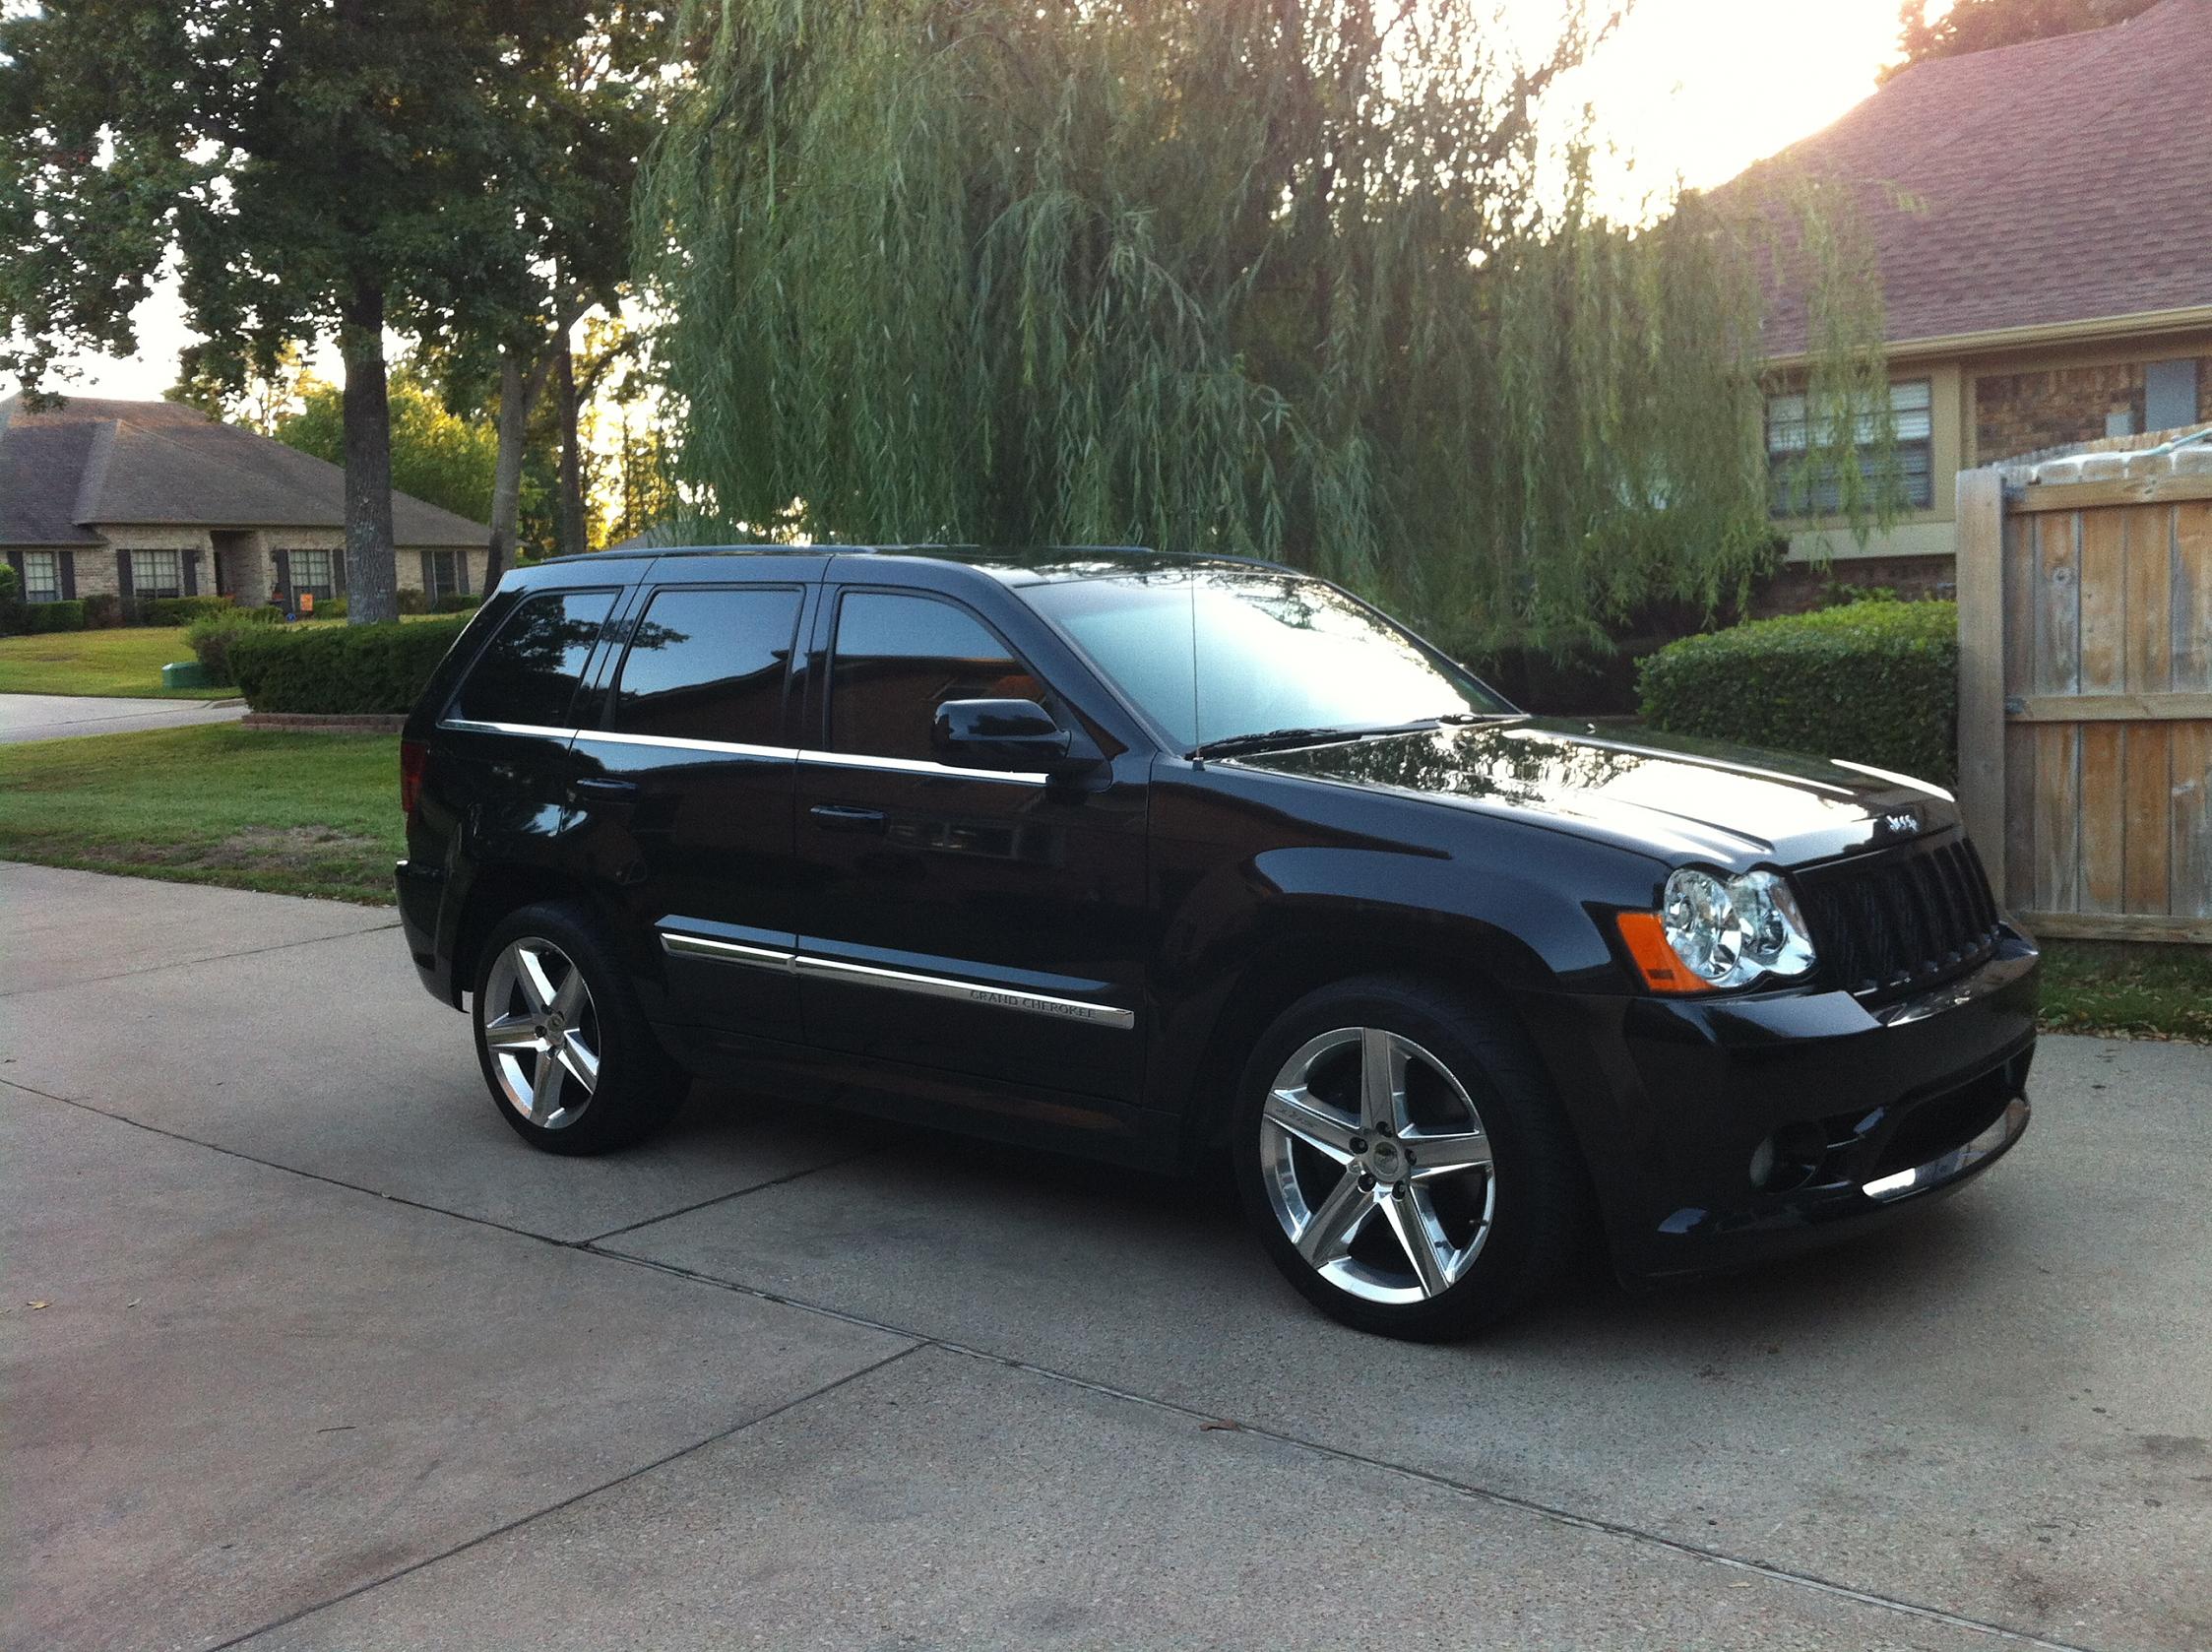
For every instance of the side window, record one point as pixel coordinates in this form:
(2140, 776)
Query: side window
(895, 658)
(708, 665)
(529, 673)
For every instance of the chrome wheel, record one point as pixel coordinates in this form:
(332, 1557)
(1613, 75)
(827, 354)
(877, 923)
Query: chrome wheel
(542, 1032)
(1377, 1165)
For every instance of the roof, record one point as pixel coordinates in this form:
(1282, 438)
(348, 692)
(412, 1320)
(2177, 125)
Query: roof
(90, 462)
(2058, 181)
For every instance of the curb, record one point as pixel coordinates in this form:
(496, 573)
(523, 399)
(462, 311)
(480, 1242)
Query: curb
(329, 723)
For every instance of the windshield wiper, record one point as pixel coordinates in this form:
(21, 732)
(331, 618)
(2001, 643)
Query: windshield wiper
(1274, 737)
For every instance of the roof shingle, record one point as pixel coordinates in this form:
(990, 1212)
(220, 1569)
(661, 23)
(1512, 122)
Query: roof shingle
(159, 463)
(2062, 180)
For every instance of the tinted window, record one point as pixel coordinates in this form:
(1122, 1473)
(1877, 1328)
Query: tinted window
(1270, 651)
(529, 672)
(708, 665)
(898, 658)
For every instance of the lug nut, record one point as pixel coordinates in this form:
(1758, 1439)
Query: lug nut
(1366, 1183)
(1358, 1145)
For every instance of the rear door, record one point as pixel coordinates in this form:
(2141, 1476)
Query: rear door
(965, 921)
(685, 768)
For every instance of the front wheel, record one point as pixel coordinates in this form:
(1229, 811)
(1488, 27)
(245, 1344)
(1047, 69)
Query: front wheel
(564, 1047)
(1404, 1161)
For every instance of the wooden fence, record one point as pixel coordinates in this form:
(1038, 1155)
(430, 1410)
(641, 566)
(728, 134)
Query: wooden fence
(2085, 691)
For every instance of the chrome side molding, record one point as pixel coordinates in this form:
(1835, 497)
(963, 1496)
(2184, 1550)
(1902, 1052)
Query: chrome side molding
(683, 943)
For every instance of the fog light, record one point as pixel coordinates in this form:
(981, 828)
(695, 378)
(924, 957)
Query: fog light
(1788, 1158)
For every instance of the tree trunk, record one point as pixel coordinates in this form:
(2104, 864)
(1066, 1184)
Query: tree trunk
(569, 518)
(521, 382)
(372, 578)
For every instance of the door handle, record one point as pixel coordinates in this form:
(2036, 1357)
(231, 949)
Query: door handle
(843, 818)
(604, 791)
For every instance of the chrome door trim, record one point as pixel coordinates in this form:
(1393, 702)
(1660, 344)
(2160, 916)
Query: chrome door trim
(469, 726)
(676, 742)
(727, 952)
(920, 766)
(968, 991)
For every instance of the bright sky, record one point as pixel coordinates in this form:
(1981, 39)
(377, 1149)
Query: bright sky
(1695, 88)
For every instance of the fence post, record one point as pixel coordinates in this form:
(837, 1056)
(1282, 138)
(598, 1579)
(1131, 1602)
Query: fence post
(1981, 599)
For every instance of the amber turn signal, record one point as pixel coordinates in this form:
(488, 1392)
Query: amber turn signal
(1645, 935)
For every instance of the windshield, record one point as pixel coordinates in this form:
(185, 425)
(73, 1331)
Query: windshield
(1273, 651)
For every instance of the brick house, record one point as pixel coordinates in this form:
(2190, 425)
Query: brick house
(156, 499)
(2042, 215)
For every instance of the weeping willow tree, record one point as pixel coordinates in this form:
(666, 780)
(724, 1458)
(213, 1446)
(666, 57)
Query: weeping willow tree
(1302, 278)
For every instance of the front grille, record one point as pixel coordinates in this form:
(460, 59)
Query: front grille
(1893, 923)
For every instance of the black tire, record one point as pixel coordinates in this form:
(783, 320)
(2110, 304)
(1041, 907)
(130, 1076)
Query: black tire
(637, 1087)
(1531, 1205)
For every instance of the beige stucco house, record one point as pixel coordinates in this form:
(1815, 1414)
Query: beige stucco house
(2042, 215)
(155, 498)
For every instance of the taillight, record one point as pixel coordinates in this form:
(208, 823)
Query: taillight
(414, 755)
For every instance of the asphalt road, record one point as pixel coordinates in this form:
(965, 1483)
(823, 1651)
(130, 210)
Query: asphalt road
(300, 1347)
(54, 716)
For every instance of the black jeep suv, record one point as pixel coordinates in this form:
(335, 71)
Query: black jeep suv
(1142, 856)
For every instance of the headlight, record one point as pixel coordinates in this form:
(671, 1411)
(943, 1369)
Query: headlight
(1719, 932)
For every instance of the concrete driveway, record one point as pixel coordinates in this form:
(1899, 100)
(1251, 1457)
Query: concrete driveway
(54, 716)
(326, 1357)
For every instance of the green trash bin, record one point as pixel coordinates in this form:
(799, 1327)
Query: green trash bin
(185, 673)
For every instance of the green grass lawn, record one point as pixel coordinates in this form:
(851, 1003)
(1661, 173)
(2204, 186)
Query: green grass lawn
(298, 813)
(126, 660)
(2146, 991)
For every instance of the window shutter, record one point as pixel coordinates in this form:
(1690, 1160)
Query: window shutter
(337, 572)
(283, 577)
(15, 562)
(123, 576)
(192, 573)
(430, 583)
(68, 575)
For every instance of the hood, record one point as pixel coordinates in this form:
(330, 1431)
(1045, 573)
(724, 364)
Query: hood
(1679, 798)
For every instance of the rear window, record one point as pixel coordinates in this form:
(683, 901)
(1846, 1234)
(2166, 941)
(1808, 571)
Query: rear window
(529, 672)
(708, 665)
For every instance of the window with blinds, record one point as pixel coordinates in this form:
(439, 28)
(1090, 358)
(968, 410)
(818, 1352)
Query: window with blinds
(1792, 426)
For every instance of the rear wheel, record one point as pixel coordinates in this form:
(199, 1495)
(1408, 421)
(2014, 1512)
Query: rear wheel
(1404, 1160)
(570, 1060)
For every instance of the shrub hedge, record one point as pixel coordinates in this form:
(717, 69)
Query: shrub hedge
(66, 616)
(181, 611)
(208, 638)
(1875, 681)
(338, 669)
(459, 602)
(104, 610)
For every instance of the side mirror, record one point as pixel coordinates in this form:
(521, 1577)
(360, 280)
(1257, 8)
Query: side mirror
(1012, 734)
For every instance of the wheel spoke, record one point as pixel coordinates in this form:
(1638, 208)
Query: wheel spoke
(1382, 1080)
(529, 972)
(579, 1058)
(1328, 1234)
(1410, 1221)
(1448, 1155)
(546, 1088)
(1319, 1128)
(513, 1032)
(569, 1001)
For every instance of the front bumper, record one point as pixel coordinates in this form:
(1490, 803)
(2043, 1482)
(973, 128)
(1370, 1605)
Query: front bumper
(1727, 1130)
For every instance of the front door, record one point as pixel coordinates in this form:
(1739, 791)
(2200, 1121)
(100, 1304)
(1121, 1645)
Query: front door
(960, 919)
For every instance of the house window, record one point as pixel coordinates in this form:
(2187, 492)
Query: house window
(1790, 431)
(157, 573)
(445, 573)
(313, 573)
(42, 576)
